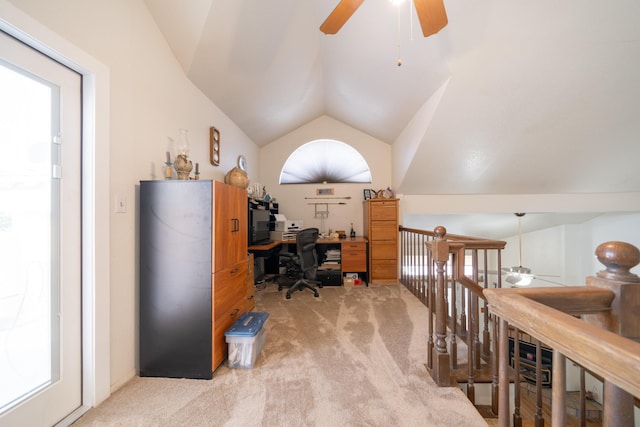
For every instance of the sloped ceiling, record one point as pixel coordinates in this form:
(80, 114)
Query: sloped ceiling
(542, 97)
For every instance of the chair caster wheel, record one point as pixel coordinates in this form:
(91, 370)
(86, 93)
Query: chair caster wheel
(288, 295)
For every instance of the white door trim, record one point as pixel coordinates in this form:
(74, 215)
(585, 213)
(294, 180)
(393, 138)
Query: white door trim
(95, 195)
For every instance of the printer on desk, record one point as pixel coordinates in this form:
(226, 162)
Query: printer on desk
(286, 229)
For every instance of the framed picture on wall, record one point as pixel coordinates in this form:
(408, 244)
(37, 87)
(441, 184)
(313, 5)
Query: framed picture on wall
(367, 193)
(324, 191)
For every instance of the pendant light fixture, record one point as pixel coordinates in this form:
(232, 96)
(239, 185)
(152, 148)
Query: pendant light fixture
(519, 276)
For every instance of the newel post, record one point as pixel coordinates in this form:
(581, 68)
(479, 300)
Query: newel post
(624, 318)
(441, 371)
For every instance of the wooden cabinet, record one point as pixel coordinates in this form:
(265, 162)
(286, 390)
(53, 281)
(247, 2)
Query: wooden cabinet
(193, 274)
(381, 228)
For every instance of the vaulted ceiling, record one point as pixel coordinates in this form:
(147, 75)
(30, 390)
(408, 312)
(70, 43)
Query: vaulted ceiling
(536, 96)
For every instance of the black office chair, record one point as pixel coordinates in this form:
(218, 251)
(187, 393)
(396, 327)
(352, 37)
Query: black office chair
(303, 265)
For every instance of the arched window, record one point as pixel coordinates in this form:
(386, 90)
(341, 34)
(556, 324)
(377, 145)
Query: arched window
(325, 161)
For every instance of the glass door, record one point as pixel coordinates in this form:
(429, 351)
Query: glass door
(40, 238)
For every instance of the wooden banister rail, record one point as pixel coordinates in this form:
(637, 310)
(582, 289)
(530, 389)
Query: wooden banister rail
(575, 300)
(433, 268)
(597, 326)
(618, 360)
(603, 340)
(469, 241)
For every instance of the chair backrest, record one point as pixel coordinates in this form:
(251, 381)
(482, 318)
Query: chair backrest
(306, 249)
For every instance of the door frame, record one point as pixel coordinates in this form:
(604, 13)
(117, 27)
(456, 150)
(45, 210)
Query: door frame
(95, 197)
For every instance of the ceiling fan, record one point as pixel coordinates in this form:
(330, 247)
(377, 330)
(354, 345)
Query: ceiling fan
(431, 14)
(519, 276)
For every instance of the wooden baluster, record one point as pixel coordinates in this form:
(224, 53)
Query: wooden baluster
(539, 418)
(583, 400)
(503, 375)
(410, 272)
(494, 364)
(403, 252)
(471, 349)
(441, 372)
(463, 306)
(517, 417)
(415, 283)
(559, 390)
(422, 249)
(475, 325)
(453, 319)
(430, 305)
(474, 311)
(486, 337)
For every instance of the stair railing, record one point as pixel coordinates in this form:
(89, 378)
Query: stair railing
(596, 326)
(450, 275)
(445, 271)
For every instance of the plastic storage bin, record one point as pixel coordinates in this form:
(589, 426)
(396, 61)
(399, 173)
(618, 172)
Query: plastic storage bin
(245, 339)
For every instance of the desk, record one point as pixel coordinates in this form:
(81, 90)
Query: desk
(353, 254)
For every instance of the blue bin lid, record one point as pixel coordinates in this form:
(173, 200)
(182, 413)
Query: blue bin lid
(247, 325)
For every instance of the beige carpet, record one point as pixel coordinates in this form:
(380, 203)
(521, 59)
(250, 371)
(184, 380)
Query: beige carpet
(352, 357)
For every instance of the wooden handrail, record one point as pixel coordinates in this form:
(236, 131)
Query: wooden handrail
(573, 300)
(618, 361)
(599, 341)
(469, 242)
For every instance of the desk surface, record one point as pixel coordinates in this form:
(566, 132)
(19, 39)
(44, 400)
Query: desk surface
(321, 241)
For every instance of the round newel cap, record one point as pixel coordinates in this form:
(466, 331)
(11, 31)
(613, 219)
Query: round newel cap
(440, 231)
(618, 258)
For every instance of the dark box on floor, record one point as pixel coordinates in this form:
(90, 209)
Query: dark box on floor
(329, 277)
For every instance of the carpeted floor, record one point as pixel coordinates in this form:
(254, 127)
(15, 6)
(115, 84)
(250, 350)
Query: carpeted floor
(352, 357)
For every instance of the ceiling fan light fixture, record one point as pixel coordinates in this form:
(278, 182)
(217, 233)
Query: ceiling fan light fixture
(518, 276)
(518, 279)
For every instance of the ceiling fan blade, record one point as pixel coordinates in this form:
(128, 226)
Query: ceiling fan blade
(431, 15)
(339, 16)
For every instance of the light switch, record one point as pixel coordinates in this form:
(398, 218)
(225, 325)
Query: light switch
(121, 204)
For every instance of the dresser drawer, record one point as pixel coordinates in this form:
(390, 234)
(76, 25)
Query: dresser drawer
(383, 230)
(354, 247)
(384, 211)
(354, 260)
(220, 326)
(383, 270)
(229, 287)
(384, 250)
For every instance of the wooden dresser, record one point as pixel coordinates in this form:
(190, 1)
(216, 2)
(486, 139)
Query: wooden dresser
(193, 274)
(381, 229)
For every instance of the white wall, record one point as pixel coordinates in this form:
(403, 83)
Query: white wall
(291, 197)
(150, 100)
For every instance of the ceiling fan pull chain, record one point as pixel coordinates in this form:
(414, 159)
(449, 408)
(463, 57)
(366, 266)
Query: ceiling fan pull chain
(399, 57)
(411, 9)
